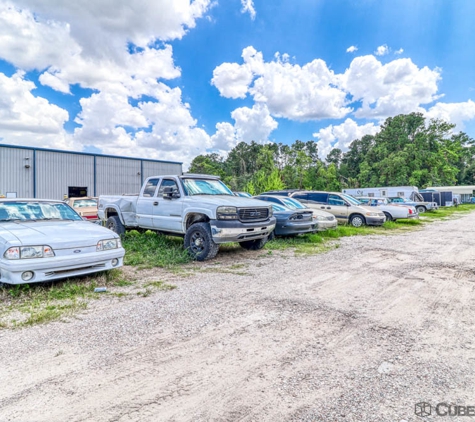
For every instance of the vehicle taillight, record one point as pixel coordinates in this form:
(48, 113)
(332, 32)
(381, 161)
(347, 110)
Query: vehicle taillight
(410, 211)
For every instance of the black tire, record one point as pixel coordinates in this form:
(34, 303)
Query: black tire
(389, 217)
(357, 220)
(113, 223)
(421, 209)
(199, 242)
(254, 245)
(271, 235)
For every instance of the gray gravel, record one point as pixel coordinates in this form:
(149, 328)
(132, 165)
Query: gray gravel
(360, 333)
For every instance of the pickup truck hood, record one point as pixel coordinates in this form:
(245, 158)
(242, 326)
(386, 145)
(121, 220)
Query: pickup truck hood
(58, 235)
(228, 200)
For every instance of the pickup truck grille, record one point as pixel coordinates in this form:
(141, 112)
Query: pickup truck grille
(253, 214)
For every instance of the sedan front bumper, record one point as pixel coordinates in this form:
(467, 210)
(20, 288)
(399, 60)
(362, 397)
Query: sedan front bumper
(224, 231)
(327, 224)
(293, 228)
(54, 268)
(375, 221)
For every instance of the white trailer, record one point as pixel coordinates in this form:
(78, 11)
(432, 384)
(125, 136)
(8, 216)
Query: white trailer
(408, 192)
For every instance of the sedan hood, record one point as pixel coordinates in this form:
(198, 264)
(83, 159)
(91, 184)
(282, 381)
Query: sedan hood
(57, 234)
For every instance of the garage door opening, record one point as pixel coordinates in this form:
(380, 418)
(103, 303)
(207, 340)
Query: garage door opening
(76, 192)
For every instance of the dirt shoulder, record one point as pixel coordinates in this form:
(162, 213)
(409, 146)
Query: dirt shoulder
(360, 333)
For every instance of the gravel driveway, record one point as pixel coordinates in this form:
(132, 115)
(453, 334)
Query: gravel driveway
(360, 333)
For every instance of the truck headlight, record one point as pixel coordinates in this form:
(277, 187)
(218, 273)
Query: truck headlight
(107, 244)
(226, 213)
(271, 211)
(29, 252)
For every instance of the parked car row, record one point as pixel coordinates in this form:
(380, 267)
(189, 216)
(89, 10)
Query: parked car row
(43, 240)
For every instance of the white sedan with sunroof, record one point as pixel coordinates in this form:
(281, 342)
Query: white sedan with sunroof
(44, 240)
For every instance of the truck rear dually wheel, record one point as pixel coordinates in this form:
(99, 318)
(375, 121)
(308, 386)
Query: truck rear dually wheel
(199, 242)
(113, 223)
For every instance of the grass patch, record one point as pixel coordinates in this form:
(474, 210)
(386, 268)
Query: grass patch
(160, 285)
(150, 250)
(38, 303)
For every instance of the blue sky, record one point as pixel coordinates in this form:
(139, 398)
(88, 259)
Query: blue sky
(174, 79)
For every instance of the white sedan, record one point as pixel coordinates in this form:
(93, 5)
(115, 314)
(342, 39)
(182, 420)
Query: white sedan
(44, 240)
(392, 211)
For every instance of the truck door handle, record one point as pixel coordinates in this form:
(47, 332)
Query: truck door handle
(155, 203)
(329, 208)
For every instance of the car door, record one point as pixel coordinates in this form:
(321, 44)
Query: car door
(337, 206)
(167, 211)
(145, 203)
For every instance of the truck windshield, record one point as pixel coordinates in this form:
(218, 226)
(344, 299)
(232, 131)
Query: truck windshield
(205, 187)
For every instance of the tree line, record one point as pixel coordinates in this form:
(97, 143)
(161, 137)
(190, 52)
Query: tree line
(408, 150)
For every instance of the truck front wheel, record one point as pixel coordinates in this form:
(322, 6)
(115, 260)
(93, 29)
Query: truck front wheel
(113, 223)
(254, 245)
(199, 242)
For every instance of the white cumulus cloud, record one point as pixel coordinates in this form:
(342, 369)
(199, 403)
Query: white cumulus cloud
(382, 50)
(248, 7)
(386, 90)
(25, 118)
(342, 135)
(295, 92)
(352, 49)
(456, 113)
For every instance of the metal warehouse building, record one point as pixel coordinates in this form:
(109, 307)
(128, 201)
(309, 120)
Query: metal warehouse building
(27, 172)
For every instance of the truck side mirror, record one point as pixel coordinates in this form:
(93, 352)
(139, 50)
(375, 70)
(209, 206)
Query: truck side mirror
(170, 192)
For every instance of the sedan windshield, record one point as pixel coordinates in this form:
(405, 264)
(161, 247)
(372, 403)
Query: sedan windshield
(293, 204)
(35, 211)
(205, 187)
(350, 199)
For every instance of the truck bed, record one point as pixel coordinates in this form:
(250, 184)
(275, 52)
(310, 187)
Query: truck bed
(127, 204)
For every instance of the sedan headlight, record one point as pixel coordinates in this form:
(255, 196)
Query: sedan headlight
(29, 252)
(320, 218)
(226, 213)
(372, 214)
(108, 244)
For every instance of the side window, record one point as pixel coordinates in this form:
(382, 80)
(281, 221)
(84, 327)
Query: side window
(150, 187)
(335, 200)
(317, 198)
(166, 183)
(302, 197)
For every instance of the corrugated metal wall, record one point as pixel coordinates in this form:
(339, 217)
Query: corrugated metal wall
(116, 176)
(14, 176)
(151, 168)
(56, 171)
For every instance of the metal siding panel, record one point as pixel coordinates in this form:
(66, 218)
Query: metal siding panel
(55, 172)
(14, 176)
(116, 176)
(151, 168)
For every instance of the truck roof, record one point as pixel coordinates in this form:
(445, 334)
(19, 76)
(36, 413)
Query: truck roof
(199, 176)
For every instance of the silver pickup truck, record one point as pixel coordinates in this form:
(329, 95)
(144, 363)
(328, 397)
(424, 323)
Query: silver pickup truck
(199, 207)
